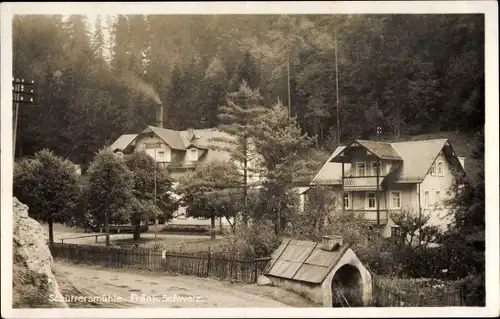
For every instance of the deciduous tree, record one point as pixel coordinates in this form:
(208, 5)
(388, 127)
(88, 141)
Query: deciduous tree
(48, 184)
(212, 190)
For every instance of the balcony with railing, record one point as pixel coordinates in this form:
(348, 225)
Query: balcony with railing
(371, 215)
(362, 183)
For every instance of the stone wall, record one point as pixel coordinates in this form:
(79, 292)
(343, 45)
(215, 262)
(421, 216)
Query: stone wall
(33, 283)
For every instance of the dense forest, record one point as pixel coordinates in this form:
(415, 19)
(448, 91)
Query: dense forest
(408, 74)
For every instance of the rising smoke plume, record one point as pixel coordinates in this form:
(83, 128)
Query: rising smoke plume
(135, 83)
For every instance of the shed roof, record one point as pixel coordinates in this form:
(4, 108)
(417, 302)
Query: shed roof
(303, 261)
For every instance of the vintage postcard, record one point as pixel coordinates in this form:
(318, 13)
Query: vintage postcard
(249, 159)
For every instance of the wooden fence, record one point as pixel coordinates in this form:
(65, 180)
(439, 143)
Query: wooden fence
(200, 264)
(108, 256)
(205, 265)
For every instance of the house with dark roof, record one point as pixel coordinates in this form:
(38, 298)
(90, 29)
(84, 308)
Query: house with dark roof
(177, 151)
(375, 178)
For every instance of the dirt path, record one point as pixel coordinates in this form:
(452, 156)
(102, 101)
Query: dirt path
(138, 288)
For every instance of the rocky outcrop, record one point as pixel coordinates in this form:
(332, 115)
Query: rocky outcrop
(33, 283)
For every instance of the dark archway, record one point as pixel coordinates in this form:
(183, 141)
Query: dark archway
(347, 287)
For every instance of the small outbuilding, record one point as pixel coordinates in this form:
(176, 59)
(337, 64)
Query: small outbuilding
(328, 272)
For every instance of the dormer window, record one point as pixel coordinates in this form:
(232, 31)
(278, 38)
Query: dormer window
(193, 154)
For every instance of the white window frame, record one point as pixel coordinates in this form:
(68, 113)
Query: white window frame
(387, 168)
(433, 169)
(373, 169)
(191, 157)
(348, 197)
(392, 200)
(160, 155)
(358, 164)
(427, 199)
(440, 168)
(368, 200)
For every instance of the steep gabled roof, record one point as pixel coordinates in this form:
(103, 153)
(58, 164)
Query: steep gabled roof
(122, 142)
(303, 260)
(418, 157)
(415, 157)
(171, 137)
(331, 172)
(383, 150)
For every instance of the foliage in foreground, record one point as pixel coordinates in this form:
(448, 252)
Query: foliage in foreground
(49, 186)
(257, 240)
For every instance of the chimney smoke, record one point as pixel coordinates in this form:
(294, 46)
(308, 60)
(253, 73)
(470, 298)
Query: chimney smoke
(159, 115)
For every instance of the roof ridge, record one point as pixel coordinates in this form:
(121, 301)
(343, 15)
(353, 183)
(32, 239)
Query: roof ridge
(373, 141)
(420, 141)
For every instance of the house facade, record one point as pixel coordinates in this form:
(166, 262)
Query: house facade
(375, 178)
(183, 151)
(177, 151)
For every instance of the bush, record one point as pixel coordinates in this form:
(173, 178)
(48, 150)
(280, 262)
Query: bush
(364, 238)
(474, 290)
(255, 241)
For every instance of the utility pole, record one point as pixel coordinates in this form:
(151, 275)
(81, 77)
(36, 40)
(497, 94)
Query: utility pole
(106, 221)
(154, 194)
(337, 90)
(289, 95)
(398, 115)
(22, 92)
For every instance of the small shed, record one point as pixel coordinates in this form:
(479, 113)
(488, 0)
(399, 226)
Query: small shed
(327, 272)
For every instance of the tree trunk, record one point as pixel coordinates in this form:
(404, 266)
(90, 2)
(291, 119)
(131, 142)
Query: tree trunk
(51, 231)
(212, 226)
(231, 225)
(106, 227)
(220, 223)
(245, 187)
(137, 231)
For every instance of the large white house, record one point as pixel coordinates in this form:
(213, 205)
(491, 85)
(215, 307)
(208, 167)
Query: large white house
(375, 178)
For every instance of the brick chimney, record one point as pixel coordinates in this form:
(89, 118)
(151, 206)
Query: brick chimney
(159, 115)
(332, 242)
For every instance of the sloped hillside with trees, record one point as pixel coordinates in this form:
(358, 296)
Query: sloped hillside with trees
(409, 74)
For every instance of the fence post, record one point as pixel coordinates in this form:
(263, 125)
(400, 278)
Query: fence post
(96, 238)
(209, 261)
(255, 263)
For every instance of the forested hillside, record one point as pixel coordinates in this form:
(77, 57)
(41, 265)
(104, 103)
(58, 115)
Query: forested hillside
(409, 74)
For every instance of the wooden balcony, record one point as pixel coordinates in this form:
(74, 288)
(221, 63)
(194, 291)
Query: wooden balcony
(371, 215)
(362, 183)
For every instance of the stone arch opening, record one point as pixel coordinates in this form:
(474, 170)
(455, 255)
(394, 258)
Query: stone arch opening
(347, 287)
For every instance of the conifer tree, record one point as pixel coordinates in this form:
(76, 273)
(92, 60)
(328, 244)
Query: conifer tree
(238, 119)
